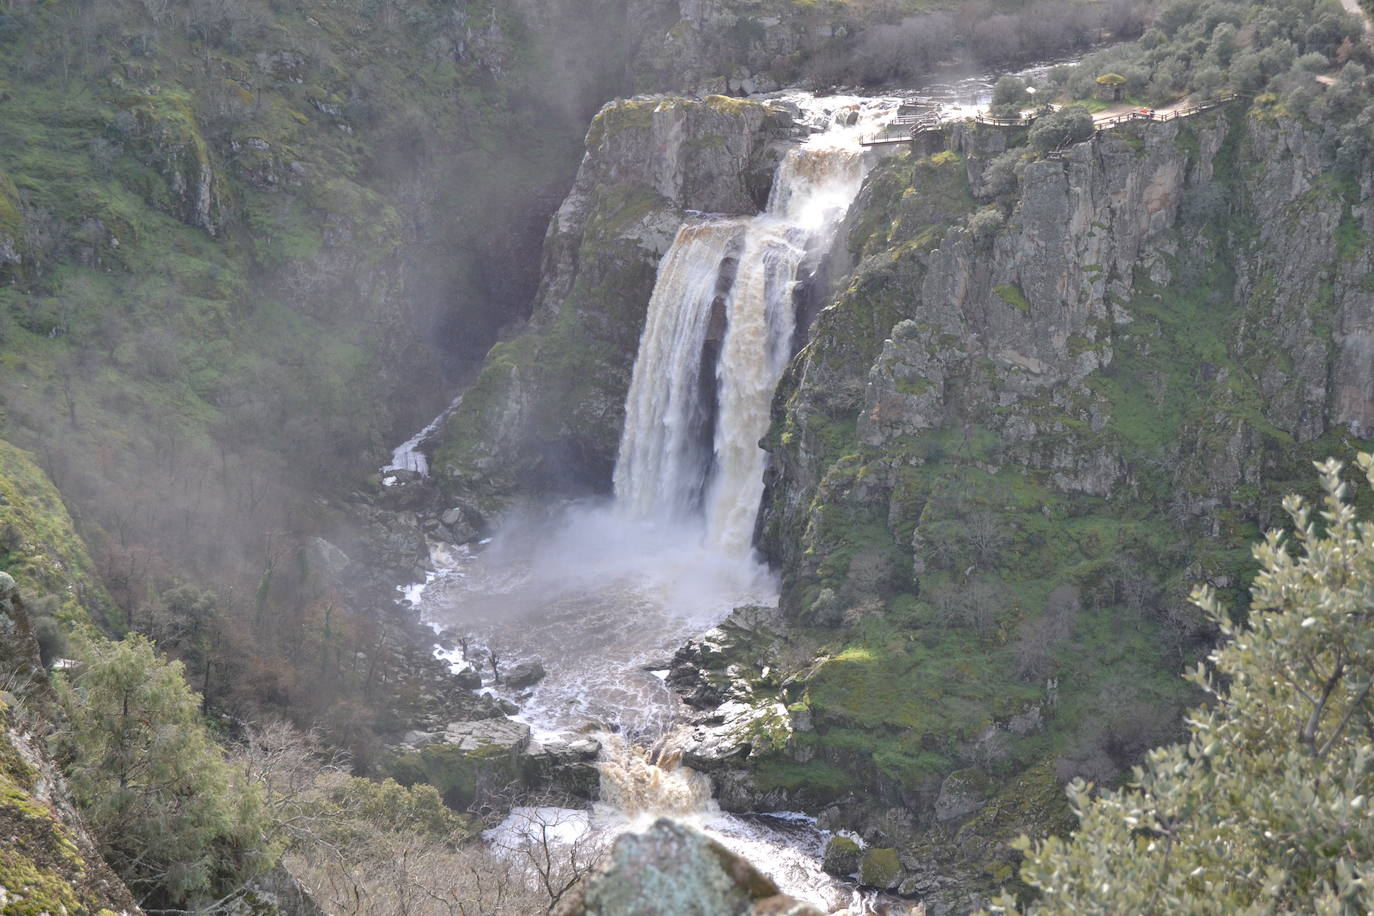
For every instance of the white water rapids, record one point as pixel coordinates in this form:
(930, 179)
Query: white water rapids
(601, 593)
(604, 594)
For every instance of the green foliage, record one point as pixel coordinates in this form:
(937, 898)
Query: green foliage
(1266, 806)
(1200, 49)
(40, 547)
(172, 818)
(1060, 128)
(1013, 296)
(1009, 96)
(351, 809)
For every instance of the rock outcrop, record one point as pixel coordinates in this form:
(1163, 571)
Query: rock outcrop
(480, 762)
(671, 868)
(545, 414)
(997, 442)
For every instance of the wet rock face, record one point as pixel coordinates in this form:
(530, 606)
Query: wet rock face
(525, 674)
(565, 768)
(671, 868)
(729, 677)
(842, 857)
(479, 762)
(544, 417)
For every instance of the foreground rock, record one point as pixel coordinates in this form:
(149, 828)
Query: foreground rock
(671, 868)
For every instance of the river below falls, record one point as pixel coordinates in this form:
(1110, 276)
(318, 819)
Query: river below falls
(602, 601)
(603, 595)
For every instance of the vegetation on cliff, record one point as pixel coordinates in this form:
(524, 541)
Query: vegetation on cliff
(1265, 807)
(174, 820)
(1201, 49)
(987, 534)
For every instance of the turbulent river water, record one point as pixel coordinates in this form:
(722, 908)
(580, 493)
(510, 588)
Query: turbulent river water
(603, 594)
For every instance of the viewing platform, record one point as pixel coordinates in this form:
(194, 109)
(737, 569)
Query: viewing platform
(912, 129)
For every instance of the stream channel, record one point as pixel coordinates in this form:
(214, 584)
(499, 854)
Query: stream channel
(601, 594)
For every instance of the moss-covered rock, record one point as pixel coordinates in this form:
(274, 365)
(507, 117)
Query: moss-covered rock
(11, 227)
(478, 762)
(169, 140)
(39, 545)
(671, 868)
(842, 856)
(880, 868)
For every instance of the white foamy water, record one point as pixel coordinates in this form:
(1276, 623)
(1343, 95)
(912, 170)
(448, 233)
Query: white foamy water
(597, 597)
(603, 595)
(408, 456)
(664, 458)
(745, 271)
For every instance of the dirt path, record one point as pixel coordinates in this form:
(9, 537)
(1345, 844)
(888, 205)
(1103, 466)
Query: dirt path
(1116, 111)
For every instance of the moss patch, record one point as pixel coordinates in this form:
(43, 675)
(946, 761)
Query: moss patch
(879, 868)
(39, 545)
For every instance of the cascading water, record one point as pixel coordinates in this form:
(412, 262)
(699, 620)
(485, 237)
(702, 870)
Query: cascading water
(745, 271)
(663, 459)
(601, 594)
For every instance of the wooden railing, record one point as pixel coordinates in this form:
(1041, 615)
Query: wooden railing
(907, 128)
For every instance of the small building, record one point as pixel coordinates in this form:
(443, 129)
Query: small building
(1110, 87)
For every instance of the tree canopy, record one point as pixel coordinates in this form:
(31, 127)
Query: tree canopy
(173, 819)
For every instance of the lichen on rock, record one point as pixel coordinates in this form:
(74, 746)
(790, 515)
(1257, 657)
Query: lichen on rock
(671, 868)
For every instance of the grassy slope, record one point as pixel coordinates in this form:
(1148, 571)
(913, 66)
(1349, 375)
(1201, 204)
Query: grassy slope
(165, 374)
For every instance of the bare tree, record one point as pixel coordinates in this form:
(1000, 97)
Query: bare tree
(1039, 637)
(553, 845)
(987, 535)
(976, 604)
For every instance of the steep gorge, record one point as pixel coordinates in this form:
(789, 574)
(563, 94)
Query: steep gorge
(1028, 421)
(1042, 395)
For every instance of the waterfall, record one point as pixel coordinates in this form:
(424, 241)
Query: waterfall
(664, 457)
(697, 405)
(602, 594)
(633, 785)
(761, 318)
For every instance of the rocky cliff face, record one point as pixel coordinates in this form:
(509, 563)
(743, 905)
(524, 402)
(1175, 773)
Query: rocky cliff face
(1211, 270)
(1035, 413)
(546, 412)
(728, 46)
(1024, 430)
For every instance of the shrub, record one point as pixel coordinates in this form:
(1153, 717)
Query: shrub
(1265, 808)
(1070, 124)
(172, 818)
